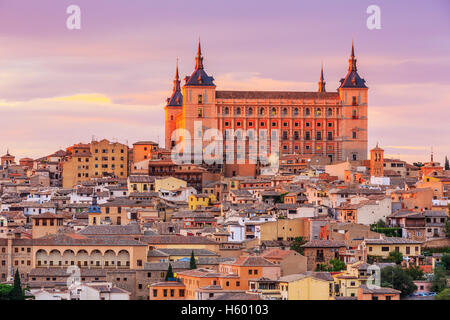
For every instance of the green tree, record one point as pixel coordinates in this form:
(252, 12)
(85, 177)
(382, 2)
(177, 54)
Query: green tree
(439, 280)
(447, 228)
(16, 292)
(397, 278)
(169, 274)
(381, 224)
(192, 264)
(395, 256)
(415, 272)
(297, 244)
(443, 295)
(447, 164)
(445, 261)
(334, 265)
(337, 265)
(418, 164)
(5, 290)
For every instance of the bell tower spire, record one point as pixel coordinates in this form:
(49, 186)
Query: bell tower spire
(322, 81)
(352, 60)
(199, 57)
(176, 81)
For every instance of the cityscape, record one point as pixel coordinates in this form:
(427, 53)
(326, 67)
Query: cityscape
(267, 190)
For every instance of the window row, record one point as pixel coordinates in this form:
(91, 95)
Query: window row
(285, 111)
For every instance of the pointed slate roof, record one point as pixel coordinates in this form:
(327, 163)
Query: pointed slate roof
(352, 79)
(199, 77)
(176, 100)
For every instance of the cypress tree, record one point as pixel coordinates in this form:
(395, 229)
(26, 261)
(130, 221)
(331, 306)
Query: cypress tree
(16, 292)
(447, 164)
(169, 274)
(193, 264)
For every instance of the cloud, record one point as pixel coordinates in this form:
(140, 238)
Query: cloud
(88, 98)
(41, 126)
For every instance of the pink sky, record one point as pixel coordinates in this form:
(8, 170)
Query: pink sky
(110, 79)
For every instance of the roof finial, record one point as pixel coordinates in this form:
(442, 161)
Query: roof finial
(176, 81)
(352, 60)
(199, 58)
(321, 82)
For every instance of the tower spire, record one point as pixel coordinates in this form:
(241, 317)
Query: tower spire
(199, 57)
(352, 60)
(432, 155)
(322, 81)
(176, 81)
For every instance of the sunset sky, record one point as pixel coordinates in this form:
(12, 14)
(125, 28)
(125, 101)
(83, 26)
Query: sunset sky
(111, 78)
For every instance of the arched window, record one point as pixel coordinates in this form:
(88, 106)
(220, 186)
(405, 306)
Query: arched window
(330, 112)
(285, 111)
(261, 111)
(238, 110)
(307, 112)
(250, 111)
(296, 112)
(274, 111)
(318, 112)
(226, 110)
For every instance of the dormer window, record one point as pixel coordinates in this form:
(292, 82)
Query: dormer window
(200, 99)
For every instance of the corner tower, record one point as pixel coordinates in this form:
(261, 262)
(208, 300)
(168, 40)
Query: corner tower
(199, 102)
(354, 123)
(172, 109)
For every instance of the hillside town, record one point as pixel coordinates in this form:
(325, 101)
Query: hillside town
(105, 221)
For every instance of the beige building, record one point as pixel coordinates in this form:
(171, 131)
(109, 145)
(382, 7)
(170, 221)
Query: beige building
(46, 224)
(109, 159)
(169, 184)
(95, 160)
(76, 165)
(290, 261)
(285, 229)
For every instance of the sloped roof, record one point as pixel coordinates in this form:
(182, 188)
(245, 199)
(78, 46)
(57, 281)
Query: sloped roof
(199, 78)
(130, 229)
(352, 80)
(324, 244)
(275, 95)
(253, 261)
